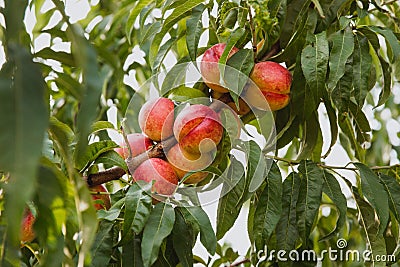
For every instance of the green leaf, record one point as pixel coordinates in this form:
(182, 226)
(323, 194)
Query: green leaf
(130, 23)
(137, 207)
(309, 198)
(179, 13)
(362, 61)
(361, 122)
(269, 208)
(197, 216)
(334, 192)
(159, 226)
(342, 92)
(375, 240)
(113, 213)
(230, 203)
(392, 188)
(331, 12)
(183, 240)
(375, 193)
(257, 166)
(286, 230)
(103, 245)
(93, 151)
(387, 82)
(243, 62)
(333, 121)
(319, 8)
(310, 140)
(111, 159)
(194, 28)
(62, 57)
(235, 36)
(101, 125)
(24, 118)
(348, 132)
(69, 85)
(183, 93)
(314, 63)
(391, 39)
(342, 48)
(131, 253)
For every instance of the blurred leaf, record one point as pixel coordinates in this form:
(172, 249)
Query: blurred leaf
(111, 159)
(331, 12)
(314, 63)
(230, 202)
(137, 207)
(197, 216)
(342, 48)
(179, 13)
(103, 245)
(24, 118)
(132, 17)
(62, 57)
(183, 240)
(309, 197)
(159, 226)
(194, 29)
(362, 61)
(286, 230)
(269, 208)
(332, 189)
(392, 188)
(69, 85)
(93, 151)
(102, 125)
(375, 193)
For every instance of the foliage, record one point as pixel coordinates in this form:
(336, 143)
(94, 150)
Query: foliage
(345, 60)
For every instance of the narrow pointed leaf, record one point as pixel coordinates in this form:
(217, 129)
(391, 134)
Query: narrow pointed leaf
(194, 28)
(159, 226)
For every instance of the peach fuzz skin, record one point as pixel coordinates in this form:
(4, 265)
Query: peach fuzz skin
(184, 162)
(156, 118)
(198, 129)
(139, 143)
(209, 66)
(160, 171)
(274, 81)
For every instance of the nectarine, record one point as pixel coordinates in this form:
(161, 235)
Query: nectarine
(138, 143)
(160, 171)
(209, 66)
(274, 81)
(184, 162)
(198, 129)
(27, 233)
(102, 201)
(156, 118)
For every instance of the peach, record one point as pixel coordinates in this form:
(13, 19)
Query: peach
(198, 129)
(156, 118)
(243, 107)
(209, 66)
(102, 201)
(27, 233)
(274, 81)
(139, 143)
(160, 171)
(184, 162)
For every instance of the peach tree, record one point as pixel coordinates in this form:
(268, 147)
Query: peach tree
(122, 120)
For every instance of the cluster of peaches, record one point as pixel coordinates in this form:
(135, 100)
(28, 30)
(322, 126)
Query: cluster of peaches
(197, 129)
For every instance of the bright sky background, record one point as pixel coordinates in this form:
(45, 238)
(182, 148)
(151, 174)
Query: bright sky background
(237, 236)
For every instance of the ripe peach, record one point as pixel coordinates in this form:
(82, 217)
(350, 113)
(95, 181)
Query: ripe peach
(161, 172)
(198, 129)
(243, 107)
(184, 162)
(102, 201)
(274, 82)
(156, 118)
(27, 233)
(138, 143)
(209, 66)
